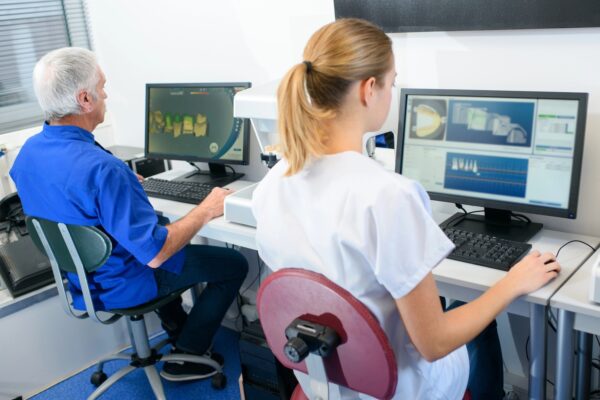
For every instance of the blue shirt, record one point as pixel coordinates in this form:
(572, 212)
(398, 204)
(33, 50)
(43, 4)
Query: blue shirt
(61, 175)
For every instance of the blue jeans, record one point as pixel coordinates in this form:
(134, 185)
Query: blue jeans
(223, 270)
(486, 371)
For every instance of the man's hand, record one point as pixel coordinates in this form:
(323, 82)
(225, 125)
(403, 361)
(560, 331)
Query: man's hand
(181, 232)
(140, 178)
(213, 204)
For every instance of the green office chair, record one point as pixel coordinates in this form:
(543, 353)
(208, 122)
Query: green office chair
(82, 250)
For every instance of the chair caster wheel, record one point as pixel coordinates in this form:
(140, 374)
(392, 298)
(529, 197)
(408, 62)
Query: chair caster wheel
(98, 378)
(219, 381)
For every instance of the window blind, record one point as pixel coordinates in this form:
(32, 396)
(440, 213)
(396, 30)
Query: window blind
(28, 30)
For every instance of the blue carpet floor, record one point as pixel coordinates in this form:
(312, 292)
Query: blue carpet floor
(136, 386)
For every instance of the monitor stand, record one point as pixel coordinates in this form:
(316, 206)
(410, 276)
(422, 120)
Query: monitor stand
(496, 223)
(216, 175)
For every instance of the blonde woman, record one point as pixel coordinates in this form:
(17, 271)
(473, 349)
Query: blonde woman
(327, 208)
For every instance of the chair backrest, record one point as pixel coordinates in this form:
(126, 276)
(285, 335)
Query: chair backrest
(364, 361)
(92, 245)
(76, 249)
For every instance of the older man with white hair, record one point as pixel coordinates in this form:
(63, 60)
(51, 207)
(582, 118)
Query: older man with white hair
(84, 184)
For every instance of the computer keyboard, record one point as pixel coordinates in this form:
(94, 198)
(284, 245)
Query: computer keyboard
(185, 192)
(486, 250)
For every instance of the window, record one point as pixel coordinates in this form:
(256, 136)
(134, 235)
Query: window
(28, 30)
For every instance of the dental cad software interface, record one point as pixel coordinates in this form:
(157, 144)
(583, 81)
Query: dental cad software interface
(507, 149)
(194, 121)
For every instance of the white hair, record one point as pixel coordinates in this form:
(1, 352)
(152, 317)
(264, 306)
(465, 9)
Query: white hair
(60, 76)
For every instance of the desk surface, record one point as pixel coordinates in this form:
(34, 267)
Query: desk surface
(574, 295)
(481, 278)
(218, 228)
(449, 273)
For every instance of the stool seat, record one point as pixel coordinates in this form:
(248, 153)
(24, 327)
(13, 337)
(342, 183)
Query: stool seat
(148, 306)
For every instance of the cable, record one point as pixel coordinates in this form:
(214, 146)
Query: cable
(260, 265)
(231, 168)
(256, 278)
(16, 219)
(456, 217)
(194, 165)
(520, 217)
(460, 207)
(551, 319)
(459, 218)
(573, 241)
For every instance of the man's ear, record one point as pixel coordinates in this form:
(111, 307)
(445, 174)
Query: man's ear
(84, 99)
(367, 90)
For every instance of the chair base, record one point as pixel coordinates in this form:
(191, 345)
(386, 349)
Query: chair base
(146, 357)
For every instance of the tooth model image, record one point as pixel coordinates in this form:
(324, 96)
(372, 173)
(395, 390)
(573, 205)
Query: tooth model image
(168, 123)
(188, 124)
(200, 125)
(479, 119)
(462, 165)
(157, 122)
(177, 125)
(501, 126)
(428, 120)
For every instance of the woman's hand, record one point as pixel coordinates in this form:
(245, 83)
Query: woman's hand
(532, 272)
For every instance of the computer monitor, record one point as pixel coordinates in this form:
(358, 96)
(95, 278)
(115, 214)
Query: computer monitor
(504, 151)
(194, 122)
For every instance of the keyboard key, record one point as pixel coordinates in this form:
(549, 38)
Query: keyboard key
(185, 192)
(485, 250)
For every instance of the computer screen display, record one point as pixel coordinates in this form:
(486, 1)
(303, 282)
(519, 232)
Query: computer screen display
(516, 151)
(195, 122)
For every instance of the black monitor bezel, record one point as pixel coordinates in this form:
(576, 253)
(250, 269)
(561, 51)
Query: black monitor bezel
(570, 212)
(246, 134)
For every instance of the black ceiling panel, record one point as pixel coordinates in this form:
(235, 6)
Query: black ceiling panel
(466, 15)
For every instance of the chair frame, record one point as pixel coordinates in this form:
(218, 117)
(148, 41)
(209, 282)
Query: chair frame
(144, 356)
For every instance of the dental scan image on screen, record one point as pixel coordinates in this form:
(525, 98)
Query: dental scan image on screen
(194, 121)
(507, 149)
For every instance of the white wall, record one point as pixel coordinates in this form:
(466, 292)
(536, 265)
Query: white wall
(544, 60)
(13, 141)
(42, 345)
(141, 41)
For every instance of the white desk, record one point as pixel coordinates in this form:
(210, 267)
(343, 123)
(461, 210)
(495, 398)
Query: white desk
(575, 313)
(456, 280)
(217, 229)
(462, 281)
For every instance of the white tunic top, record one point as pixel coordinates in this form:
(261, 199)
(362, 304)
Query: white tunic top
(370, 231)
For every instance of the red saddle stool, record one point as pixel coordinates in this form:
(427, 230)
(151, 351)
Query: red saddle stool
(335, 338)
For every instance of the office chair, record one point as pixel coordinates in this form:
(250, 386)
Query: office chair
(82, 250)
(314, 326)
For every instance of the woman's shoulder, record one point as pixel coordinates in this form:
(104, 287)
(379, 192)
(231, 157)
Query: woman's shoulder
(373, 177)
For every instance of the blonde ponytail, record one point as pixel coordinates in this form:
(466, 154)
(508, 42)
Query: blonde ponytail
(338, 54)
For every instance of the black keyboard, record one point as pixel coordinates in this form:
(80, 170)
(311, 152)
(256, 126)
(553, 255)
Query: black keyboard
(185, 192)
(486, 250)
